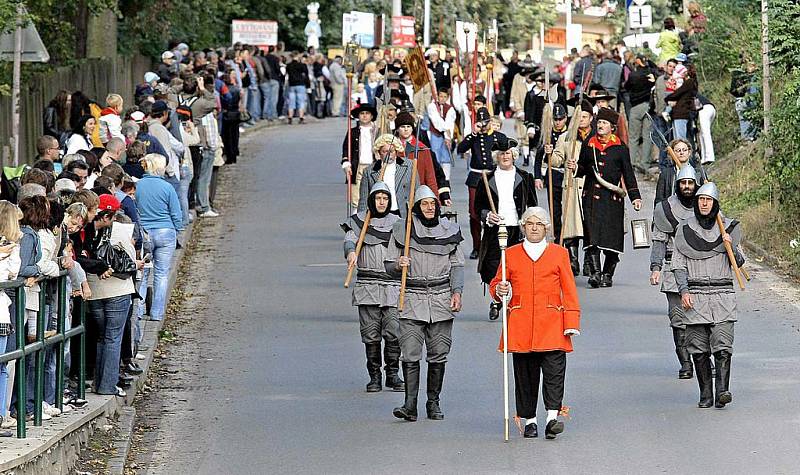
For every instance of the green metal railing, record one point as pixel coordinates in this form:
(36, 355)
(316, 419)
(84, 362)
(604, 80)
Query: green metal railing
(38, 347)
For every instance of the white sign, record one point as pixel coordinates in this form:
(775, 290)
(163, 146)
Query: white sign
(465, 35)
(359, 27)
(574, 36)
(640, 16)
(254, 32)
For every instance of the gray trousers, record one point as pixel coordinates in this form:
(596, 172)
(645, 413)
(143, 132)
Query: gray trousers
(378, 322)
(639, 129)
(675, 310)
(436, 337)
(709, 338)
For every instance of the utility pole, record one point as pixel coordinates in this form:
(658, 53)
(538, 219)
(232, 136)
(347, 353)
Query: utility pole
(16, 85)
(397, 8)
(426, 31)
(765, 89)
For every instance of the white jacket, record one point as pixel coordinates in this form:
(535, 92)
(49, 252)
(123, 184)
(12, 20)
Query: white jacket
(110, 127)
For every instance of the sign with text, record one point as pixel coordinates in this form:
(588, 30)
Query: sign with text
(358, 27)
(403, 33)
(259, 33)
(640, 16)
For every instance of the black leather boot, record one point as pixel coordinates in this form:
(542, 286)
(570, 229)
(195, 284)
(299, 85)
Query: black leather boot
(391, 359)
(374, 367)
(408, 410)
(572, 248)
(494, 310)
(609, 266)
(684, 358)
(722, 359)
(435, 379)
(702, 366)
(593, 259)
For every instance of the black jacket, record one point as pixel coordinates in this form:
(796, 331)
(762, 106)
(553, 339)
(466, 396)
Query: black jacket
(298, 74)
(639, 86)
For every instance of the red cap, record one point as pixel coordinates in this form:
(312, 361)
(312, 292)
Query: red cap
(108, 203)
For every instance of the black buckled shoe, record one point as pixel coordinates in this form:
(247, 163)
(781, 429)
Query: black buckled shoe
(494, 310)
(474, 254)
(606, 280)
(531, 431)
(553, 428)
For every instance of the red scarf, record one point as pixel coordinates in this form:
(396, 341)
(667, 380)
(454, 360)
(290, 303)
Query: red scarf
(603, 143)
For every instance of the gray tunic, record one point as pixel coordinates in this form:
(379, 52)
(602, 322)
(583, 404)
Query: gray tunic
(436, 271)
(667, 215)
(702, 269)
(374, 285)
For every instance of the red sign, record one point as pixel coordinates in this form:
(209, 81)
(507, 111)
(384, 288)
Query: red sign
(403, 31)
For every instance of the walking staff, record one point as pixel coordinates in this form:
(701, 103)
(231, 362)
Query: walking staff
(406, 243)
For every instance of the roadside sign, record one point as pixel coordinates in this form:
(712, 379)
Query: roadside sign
(259, 33)
(403, 31)
(640, 16)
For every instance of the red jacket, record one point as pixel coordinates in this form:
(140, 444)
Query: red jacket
(425, 169)
(544, 300)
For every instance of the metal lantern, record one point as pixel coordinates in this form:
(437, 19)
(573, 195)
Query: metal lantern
(640, 233)
(350, 56)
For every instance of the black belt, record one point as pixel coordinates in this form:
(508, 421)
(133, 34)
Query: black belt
(435, 284)
(371, 274)
(709, 284)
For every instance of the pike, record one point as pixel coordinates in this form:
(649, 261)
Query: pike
(720, 224)
(502, 238)
(547, 138)
(572, 136)
(404, 277)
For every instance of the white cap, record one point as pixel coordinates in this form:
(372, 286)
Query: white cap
(65, 184)
(167, 55)
(150, 76)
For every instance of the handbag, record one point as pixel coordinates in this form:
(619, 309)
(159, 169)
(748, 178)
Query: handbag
(246, 117)
(115, 257)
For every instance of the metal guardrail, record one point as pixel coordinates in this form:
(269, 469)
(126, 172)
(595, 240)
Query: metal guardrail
(37, 348)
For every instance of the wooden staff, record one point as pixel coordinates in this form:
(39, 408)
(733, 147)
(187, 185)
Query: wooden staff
(362, 235)
(404, 276)
(547, 137)
(349, 145)
(488, 191)
(720, 224)
(502, 237)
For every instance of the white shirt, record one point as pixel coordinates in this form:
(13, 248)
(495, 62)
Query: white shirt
(446, 124)
(505, 195)
(365, 145)
(388, 178)
(534, 249)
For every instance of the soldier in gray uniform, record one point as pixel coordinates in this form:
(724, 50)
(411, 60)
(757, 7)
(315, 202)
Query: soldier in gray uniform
(433, 294)
(705, 281)
(375, 292)
(667, 216)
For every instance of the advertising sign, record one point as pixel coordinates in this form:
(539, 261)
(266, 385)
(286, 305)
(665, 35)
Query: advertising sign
(261, 33)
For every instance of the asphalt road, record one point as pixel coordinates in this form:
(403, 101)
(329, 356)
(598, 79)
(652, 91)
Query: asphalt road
(267, 371)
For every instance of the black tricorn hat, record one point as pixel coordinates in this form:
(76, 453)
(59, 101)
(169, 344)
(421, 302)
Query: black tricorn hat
(505, 145)
(364, 108)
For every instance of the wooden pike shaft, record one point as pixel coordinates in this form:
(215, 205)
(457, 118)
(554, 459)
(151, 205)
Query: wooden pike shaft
(401, 301)
(488, 191)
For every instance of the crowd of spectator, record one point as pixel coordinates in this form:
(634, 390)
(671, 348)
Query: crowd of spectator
(109, 194)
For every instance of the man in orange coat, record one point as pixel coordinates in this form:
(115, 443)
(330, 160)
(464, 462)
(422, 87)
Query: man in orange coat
(544, 314)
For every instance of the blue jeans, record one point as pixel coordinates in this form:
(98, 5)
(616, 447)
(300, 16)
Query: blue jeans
(297, 98)
(746, 129)
(109, 315)
(183, 194)
(3, 375)
(438, 147)
(269, 99)
(204, 180)
(163, 241)
(254, 103)
(680, 126)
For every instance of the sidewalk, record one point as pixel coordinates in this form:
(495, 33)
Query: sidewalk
(55, 447)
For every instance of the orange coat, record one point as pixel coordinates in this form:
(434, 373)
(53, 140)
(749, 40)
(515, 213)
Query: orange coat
(544, 300)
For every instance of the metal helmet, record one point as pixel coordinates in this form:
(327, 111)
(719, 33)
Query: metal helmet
(422, 193)
(380, 186)
(559, 111)
(709, 189)
(687, 173)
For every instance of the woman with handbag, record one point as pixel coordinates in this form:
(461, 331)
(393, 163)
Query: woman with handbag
(161, 218)
(111, 282)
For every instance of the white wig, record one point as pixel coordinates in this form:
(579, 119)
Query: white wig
(535, 212)
(514, 153)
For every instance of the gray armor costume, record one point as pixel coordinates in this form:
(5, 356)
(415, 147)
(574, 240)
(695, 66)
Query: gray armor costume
(667, 216)
(435, 274)
(703, 271)
(375, 293)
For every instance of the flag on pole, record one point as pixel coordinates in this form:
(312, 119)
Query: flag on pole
(417, 68)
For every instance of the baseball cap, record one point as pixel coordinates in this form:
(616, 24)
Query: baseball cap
(137, 116)
(159, 106)
(108, 203)
(167, 55)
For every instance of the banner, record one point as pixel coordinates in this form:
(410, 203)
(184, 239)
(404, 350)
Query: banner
(417, 68)
(466, 41)
(403, 33)
(261, 33)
